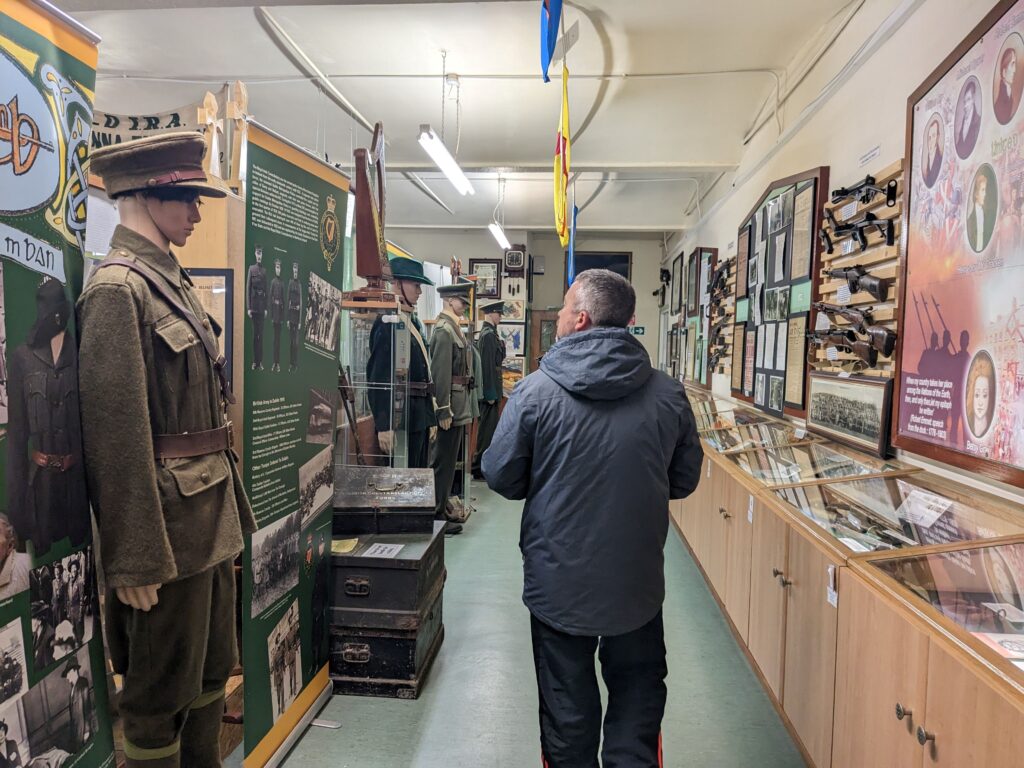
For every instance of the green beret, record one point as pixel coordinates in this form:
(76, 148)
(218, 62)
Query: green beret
(170, 160)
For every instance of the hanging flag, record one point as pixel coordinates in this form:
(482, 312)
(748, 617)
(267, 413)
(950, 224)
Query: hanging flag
(550, 16)
(571, 267)
(561, 165)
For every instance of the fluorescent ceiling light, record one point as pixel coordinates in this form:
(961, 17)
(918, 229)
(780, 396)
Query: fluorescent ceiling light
(443, 159)
(499, 235)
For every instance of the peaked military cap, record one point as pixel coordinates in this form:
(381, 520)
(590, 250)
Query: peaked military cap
(459, 289)
(172, 160)
(404, 268)
(492, 305)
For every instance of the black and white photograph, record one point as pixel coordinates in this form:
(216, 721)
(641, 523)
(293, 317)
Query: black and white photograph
(771, 306)
(320, 424)
(14, 741)
(853, 410)
(776, 392)
(60, 711)
(323, 314)
(14, 565)
(275, 562)
(316, 485)
(284, 650)
(759, 389)
(13, 667)
(63, 607)
(782, 304)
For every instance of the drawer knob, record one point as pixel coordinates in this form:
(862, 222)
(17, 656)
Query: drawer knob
(923, 737)
(784, 582)
(901, 712)
(726, 515)
(721, 511)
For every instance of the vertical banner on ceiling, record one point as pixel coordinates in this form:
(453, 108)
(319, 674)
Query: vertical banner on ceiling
(53, 694)
(294, 207)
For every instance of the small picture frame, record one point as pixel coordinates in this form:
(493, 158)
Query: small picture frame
(854, 410)
(677, 286)
(488, 273)
(514, 336)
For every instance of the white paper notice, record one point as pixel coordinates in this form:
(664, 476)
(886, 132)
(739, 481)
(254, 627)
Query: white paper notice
(780, 348)
(780, 257)
(848, 211)
(843, 296)
(760, 346)
(832, 354)
(383, 550)
(769, 345)
(750, 511)
(923, 508)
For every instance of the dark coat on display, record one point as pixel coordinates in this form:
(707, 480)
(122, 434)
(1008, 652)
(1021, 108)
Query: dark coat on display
(597, 442)
(492, 355)
(379, 369)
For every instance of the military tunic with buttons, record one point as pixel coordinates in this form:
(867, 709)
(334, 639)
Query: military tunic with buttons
(451, 367)
(177, 522)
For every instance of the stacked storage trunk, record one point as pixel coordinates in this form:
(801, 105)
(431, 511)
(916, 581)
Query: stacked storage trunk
(388, 575)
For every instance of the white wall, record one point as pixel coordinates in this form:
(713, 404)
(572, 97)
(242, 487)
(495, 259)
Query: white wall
(867, 111)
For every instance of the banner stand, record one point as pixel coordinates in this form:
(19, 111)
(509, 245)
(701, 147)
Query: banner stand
(304, 722)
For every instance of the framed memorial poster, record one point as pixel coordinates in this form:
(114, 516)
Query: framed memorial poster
(796, 361)
(958, 401)
(742, 257)
(488, 272)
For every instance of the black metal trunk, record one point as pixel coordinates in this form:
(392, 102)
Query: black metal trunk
(383, 500)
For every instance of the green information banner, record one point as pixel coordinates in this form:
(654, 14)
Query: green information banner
(53, 695)
(295, 210)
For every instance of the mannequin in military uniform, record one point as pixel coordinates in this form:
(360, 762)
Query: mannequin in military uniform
(294, 317)
(408, 280)
(256, 292)
(277, 312)
(492, 355)
(451, 366)
(168, 498)
(45, 475)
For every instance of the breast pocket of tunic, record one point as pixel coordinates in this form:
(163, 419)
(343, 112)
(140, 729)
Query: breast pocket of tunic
(180, 353)
(36, 405)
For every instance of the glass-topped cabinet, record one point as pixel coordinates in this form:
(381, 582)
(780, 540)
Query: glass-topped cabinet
(882, 513)
(748, 437)
(816, 463)
(980, 590)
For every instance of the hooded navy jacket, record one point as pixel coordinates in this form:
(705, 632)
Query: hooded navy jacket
(597, 442)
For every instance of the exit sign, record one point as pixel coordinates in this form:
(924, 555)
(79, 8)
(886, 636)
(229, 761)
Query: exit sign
(637, 330)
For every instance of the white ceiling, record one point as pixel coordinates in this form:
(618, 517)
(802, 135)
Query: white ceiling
(644, 143)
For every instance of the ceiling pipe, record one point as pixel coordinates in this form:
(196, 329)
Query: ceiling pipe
(306, 65)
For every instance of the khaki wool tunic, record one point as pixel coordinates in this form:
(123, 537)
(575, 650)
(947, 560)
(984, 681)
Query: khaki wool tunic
(143, 372)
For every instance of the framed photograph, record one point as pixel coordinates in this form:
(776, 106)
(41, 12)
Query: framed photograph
(677, 286)
(853, 410)
(511, 374)
(738, 347)
(514, 336)
(216, 293)
(514, 311)
(742, 257)
(488, 272)
(776, 389)
(692, 268)
(759, 382)
(957, 180)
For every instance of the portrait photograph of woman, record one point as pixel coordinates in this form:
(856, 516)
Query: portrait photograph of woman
(980, 402)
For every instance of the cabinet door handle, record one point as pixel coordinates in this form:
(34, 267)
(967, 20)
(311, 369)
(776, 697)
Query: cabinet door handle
(923, 737)
(784, 582)
(901, 712)
(721, 510)
(776, 573)
(726, 515)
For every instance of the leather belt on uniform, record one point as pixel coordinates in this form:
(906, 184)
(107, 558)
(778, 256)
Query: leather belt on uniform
(189, 444)
(56, 461)
(421, 389)
(462, 381)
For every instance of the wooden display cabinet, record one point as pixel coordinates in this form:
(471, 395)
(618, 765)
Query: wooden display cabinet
(769, 562)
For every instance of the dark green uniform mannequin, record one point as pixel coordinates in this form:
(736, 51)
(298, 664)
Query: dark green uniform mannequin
(492, 354)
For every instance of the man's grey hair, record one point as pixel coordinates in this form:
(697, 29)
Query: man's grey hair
(606, 296)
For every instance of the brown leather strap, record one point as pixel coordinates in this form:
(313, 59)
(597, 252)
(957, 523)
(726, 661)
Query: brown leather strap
(462, 381)
(190, 444)
(53, 461)
(175, 177)
(218, 360)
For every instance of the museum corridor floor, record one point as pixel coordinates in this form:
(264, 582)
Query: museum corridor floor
(479, 706)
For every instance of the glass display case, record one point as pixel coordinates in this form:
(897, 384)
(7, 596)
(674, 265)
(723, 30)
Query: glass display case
(812, 464)
(979, 589)
(375, 388)
(714, 405)
(729, 419)
(747, 437)
(893, 512)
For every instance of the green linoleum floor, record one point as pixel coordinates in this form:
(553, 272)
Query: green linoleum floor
(478, 709)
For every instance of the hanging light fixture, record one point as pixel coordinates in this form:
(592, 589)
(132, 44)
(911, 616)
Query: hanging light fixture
(443, 159)
(495, 227)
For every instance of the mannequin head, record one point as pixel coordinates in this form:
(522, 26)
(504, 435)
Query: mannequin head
(164, 216)
(493, 317)
(409, 291)
(456, 305)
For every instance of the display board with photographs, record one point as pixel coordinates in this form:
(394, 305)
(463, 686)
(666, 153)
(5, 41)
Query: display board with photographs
(53, 683)
(962, 348)
(777, 243)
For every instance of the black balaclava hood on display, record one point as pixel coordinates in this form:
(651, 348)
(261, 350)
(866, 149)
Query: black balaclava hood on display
(53, 309)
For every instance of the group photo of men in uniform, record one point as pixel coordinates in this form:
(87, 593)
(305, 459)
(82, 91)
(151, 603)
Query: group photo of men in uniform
(285, 657)
(63, 607)
(316, 485)
(13, 669)
(323, 314)
(275, 561)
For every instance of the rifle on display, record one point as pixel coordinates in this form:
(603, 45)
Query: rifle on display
(348, 399)
(719, 278)
(717, 327)
(859, 279)
(846, 341)
(857, 230)
(881, 338)
(865, 191)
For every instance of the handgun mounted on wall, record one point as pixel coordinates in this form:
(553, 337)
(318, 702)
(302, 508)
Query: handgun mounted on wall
(881, 338)
(857, 230)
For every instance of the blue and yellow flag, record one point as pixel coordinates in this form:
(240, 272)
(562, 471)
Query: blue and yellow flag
(550, 16)
(561, 165)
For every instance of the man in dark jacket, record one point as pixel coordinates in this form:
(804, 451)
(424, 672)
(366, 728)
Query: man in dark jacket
(597, 442)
